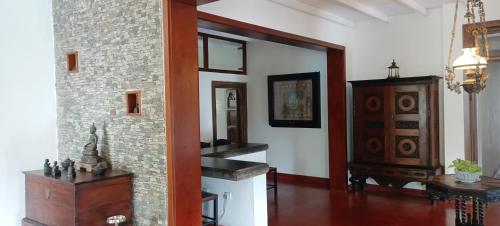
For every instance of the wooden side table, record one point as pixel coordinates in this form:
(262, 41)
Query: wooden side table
(480, 194)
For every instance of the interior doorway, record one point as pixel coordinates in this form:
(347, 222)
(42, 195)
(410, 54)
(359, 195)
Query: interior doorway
(229, 112)
(181, 21)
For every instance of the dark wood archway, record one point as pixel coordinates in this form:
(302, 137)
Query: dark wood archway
(337, 125)
(180, 21)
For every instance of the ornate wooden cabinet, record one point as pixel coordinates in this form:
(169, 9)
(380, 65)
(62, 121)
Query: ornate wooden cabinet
(396, 131)
(84, 201)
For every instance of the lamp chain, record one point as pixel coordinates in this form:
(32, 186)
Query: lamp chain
(453, 31)
(450, 77)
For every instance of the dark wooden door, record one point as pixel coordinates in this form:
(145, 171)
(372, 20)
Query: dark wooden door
(371, 143)
(409, 130)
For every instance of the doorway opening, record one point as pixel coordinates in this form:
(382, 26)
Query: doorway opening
(229, 112)
(181, 21)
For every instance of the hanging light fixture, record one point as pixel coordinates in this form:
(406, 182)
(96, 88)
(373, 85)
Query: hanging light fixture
(473, 61)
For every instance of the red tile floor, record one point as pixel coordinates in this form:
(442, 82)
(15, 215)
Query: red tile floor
(309, 206)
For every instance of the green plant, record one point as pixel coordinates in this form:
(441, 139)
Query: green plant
(466, 166)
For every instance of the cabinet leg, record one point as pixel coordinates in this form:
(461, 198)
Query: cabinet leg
(358, 183)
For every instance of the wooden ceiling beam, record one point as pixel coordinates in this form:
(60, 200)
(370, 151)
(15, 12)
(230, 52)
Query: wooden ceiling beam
(415, 6)
(226, 25)
(365, 9)
(311, 10)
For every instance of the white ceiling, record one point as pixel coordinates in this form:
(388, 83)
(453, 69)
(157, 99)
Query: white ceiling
(348, 12)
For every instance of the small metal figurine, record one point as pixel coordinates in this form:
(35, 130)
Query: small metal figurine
(71, 172)
(100, 169)
(90, 156)
(65, 164)
(47, 170)
(136, 109)
(90, 152)
(55, 170)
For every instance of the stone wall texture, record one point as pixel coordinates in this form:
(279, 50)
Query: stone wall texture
(119, 44)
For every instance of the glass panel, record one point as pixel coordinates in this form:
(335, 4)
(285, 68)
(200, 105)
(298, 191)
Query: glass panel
(489, 122)
(226, 106)
(200, 52)
(494, 42)
(225, 55)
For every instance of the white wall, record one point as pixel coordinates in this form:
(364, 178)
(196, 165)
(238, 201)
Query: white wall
(412, 40)
(27, 93)
(301, 151)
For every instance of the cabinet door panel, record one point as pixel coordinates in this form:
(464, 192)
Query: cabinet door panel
(409, 136)
(371, 142)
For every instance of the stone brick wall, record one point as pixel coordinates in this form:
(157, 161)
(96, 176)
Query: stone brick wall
(119, 43)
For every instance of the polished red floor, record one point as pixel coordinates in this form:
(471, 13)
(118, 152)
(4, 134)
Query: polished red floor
(308, 206)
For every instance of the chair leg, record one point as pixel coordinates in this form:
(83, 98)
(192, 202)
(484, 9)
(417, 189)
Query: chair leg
(275, 183)
(216, 212)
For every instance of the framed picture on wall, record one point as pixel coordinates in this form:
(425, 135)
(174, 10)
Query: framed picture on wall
(294, 100)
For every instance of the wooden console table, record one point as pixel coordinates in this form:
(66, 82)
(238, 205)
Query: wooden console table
(84, 200)
(480, 194)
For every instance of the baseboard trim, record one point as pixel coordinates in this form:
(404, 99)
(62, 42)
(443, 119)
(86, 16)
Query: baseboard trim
(302, 180)
(401, 191)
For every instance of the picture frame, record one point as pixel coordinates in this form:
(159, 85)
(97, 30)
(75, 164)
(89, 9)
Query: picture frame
(294, 100)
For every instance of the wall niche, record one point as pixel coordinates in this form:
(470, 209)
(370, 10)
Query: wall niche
(72, 61)
(133, 102)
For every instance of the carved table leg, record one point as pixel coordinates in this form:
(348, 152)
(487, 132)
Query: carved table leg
(457, 211)
(358, 183)
(474, 211)
(463, 210)
(481, 213)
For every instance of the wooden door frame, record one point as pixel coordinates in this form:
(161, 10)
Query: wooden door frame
(242, 108)
(336, 74)
(182, 114)
(180, 32)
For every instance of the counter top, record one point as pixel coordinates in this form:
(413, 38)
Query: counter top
(232, 150)
(214, 162)
(231, 169)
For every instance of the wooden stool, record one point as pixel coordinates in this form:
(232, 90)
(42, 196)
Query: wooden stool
(274, 185)
(207, 197)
